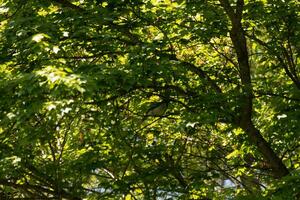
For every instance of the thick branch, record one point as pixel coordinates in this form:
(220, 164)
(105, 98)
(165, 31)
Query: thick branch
(36, 188)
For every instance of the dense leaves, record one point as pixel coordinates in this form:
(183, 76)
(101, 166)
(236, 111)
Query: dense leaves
(77, 80)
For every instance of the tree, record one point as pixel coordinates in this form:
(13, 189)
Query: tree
(77, 79)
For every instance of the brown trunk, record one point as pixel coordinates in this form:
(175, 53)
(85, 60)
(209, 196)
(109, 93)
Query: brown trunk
(245, 122)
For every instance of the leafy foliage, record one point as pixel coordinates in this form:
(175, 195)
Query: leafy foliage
(78, 77)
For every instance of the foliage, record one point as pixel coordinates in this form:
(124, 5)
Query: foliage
(78, 77)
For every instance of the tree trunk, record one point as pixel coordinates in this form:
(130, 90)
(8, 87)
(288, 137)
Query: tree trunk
(245, 121)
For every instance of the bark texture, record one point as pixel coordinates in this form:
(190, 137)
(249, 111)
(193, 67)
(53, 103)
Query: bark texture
(238, 39)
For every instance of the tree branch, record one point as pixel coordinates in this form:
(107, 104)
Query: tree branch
(67, 4)
(293, 76)
(237, 35)
(36, 188)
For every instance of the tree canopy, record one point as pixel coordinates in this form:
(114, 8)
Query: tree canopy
(77, 80)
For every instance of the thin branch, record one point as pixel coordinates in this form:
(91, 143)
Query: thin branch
(195, 69)
(67, 4)
(260, 94)
(290, 150)
(52, 151)
(229, 10)
(225, 56)
(292, 76)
